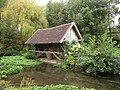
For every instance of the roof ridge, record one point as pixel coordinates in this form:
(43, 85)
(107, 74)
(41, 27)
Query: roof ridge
(57, 26)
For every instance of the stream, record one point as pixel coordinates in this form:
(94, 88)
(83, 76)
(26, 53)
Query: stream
(46, 74)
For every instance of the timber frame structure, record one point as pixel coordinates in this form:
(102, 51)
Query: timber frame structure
(50, 41)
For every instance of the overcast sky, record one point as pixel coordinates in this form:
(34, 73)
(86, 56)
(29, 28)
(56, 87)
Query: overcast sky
(44, 2)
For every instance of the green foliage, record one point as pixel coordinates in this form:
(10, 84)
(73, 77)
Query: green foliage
(19, 19)
(59, 87)
(87, 89)
(14, 64)
(4, 84)
(63, 65)
(18, 60)
(72, 50)
(116, 51)
(30, 55)
(51, 87)
(2, 3)
(11, 40)
(56, 13)
(91, 16)
(27, 16)
(97, 56)
(9, 69)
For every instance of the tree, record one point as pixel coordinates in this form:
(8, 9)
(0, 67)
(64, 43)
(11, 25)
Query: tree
(19, 20)
(2, 3)
(56, 13)
(11, 39)
(91, 16)
(28, 16)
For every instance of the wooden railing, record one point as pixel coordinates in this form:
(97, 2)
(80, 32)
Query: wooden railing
(52, 52)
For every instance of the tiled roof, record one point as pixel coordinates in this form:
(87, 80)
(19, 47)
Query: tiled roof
(49, 35)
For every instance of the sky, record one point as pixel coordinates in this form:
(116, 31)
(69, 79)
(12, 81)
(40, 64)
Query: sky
(116, 18)
(44, 2)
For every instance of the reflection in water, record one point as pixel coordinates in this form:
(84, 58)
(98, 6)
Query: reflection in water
(45, 74)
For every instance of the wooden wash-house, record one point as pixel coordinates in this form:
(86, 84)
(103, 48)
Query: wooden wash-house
(50, 41)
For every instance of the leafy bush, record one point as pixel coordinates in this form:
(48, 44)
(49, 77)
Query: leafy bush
(116, 51)
(95, 57)
(71, 52)
(58, 87)
(50, 87)
(62, 65)
(10, 69)
(30, 55)
(1, 53)
(10, 53)
(7, 51)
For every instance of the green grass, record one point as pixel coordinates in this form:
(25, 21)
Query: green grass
(14, 64)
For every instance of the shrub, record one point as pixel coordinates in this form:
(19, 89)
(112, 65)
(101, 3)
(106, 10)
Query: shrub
(116, 51)
(59, 87)
(1, 53)
(30, 55)
(10, 69)
(10, 53)
(96, 56)
(7, 51)
(50, 87)
(63, 65)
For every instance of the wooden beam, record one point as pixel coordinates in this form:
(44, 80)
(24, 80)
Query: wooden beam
(56, 56)
(45, 51)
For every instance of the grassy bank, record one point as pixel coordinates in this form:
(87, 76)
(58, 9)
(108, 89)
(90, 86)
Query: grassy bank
(14, 64)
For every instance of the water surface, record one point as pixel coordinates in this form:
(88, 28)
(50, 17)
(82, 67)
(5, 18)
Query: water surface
(46, 74)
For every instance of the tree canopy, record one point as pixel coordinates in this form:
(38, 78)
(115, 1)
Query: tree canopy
(56, 13)
(19, 20)
(27, 16)
(92, 17)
